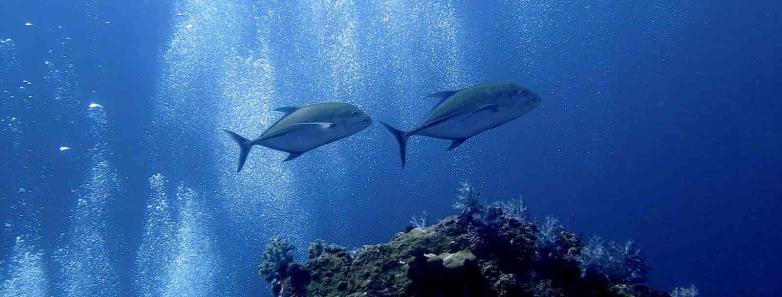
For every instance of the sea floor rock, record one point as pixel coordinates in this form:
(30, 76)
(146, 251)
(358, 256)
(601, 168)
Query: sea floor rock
(484, 251)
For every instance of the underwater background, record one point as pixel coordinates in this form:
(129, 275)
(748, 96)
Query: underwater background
(660, 123)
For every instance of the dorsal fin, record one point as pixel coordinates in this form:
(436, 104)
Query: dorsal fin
(287, 110)
(443, 95)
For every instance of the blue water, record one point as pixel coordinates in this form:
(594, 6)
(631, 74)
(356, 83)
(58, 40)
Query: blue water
(660, 123)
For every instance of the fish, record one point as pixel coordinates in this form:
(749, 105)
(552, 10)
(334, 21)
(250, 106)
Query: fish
(464, 113)
(305, 128)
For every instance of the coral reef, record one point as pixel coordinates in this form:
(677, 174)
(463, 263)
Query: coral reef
(490, 250)
(690, 291)
(277, 267)
(613, 262)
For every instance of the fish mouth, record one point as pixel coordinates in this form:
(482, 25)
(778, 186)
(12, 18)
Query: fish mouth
(535, 100)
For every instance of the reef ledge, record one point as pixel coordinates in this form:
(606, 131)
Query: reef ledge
(483, 251)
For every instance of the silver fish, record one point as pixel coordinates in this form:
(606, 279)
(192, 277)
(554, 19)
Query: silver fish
(305, 128)
(467, 112)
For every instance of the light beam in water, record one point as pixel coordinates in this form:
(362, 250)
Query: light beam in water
(85, 262)
(210, 83)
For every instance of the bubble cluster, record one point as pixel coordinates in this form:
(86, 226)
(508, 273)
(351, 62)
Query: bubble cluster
(26, 270)
(158, 245)
(85, 260)
(196, 265)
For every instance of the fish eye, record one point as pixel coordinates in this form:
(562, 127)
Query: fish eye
(523, 92)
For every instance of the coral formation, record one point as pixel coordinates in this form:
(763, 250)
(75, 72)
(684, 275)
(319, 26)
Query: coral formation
(613, 262)
(277, 267)
(690, 291)
(484, 251)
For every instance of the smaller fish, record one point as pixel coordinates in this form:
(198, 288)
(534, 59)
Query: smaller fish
(305, 128)
(468, 112)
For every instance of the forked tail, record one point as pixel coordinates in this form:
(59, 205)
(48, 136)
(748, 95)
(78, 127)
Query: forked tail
(401, 138)
(244, 148)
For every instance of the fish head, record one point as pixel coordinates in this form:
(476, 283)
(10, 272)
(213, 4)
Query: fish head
(524, 100)
(354, 118)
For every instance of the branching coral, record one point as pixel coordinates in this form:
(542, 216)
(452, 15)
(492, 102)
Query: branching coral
(419, 221)
(556, 251)
(276, 258)
(288, 279)
(515, 209)
(316, 249)
(467, 202)
(549, 240)
(690, 291)
(613, 262)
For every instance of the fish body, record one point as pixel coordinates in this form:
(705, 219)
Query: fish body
(465, 113)
(305, 128)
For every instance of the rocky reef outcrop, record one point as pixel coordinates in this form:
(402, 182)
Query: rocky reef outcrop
(483, 251)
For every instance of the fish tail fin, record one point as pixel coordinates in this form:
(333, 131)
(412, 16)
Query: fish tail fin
(244, 148)
(401, 138)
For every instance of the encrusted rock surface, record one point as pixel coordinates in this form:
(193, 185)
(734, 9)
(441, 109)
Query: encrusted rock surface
(478, 253)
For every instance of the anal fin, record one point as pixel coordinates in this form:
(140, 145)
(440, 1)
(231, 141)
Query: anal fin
(456, 143)
(293, 155)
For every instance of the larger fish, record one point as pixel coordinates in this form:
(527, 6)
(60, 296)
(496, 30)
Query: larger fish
(305, 128)
(467, 112)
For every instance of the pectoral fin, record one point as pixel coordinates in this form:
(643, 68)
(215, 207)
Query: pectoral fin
(294, 127)
(488, 107)
(324, 125)
(456, 143)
